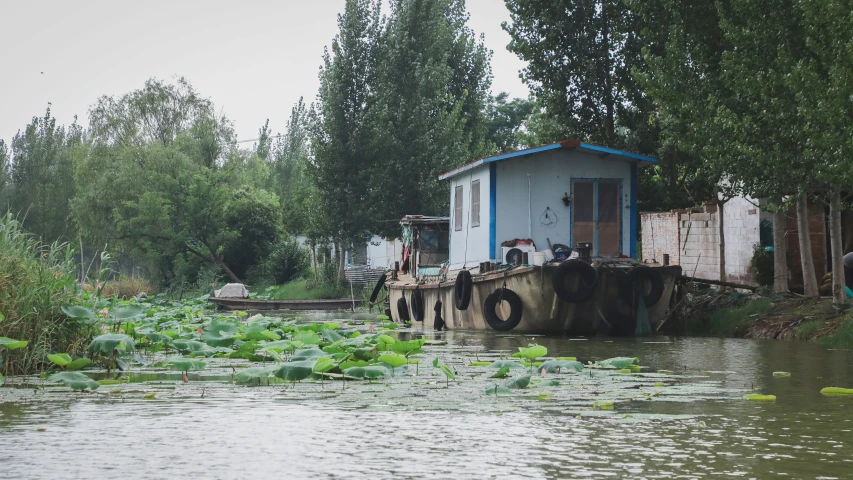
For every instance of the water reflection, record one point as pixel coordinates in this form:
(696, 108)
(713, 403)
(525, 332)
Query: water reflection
(239, 432)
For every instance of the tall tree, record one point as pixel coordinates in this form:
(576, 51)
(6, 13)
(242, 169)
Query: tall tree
(579, 56)
(4, 175)
(340, 133)
(42, 175)
(288, 164)
(433, 82)
(505, 120)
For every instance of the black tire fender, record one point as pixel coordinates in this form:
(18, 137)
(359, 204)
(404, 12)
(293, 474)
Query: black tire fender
(418, 305)
(462, 290)
(628, 285)
(492, 302)
(378, 288)
(403, 310)
(587, 283)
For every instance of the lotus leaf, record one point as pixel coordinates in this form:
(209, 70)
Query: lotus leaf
(158, 338)
(505, 364)
(12, 344)
(553, 366)
(364, 354)
(307, 337)
(128, 312)
(390, 326)
(61, 359)
(294, 371)
(570, 359)
(307, 354)
(248, 374)
(220, 333)
(533, 352)
(279, 346)
(497, 390)
(603, 405)
(836, 391)
(502, 373)
(759, 397)
(618, 362)
(80, 313)
(393, 360)
(623, 370)
(2, 379)
(75, 380)
(386, 339)
(384, 318)
(352, 363)
(411, 347)
(480, 364)
(198, 349)
(367, 372)
(781, 374)
(518, 383)
(185, 364)
(331, 335)
(323, 365)
(105, 344)
(78, 364)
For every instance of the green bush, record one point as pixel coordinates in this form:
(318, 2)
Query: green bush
(287, 261)
(762, 266)
(36, 280)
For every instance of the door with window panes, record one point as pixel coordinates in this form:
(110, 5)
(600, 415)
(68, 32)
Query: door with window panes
(597, 215)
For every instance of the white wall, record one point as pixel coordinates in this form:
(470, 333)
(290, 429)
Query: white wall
(741, 228)
(551, 174)
(382, 253)
(476, 238)
(660, 236)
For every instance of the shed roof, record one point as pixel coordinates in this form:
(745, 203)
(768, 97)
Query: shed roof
(641, 160)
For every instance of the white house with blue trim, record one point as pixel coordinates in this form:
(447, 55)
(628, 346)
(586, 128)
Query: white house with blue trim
(568, 192)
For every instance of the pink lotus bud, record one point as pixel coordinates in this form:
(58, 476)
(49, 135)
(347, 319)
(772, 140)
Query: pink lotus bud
(186, 379)
(105, 329)
(199, 330)
(542, 372)
(371, 327)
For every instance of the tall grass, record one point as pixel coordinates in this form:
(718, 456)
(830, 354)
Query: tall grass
(36, 280)
(731, 321)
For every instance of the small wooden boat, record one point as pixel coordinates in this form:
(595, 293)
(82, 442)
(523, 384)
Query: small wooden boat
(253, 304)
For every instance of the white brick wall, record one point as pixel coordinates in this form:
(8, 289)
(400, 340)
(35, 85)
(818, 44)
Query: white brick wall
(741, 220)
(660, 236)
(700, 245)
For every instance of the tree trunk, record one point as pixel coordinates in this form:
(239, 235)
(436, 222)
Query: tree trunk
(806, 259)
(780, 252)
(314, 262)
(839, 295)
(722, 240)
(227, 270)
(341, 256)
(609, 101)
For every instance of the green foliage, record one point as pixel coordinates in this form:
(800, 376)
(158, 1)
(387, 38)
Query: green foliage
(220, 333)
(504, 121)
(60, 359)
(75, 380)
(731, 321)
(533, 351)
(185, 364)
(618, 362)
(518, 383)
(105, 344)
(761, 265)
(369, 372)
(553, 366)
(287, 261)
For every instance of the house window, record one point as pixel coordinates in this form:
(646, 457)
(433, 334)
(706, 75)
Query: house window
(475, 203)
(457, 210)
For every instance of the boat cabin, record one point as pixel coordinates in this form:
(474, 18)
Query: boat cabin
(566, 193)
(425, 245)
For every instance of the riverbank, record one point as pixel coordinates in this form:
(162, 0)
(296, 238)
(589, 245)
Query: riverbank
(755, 316)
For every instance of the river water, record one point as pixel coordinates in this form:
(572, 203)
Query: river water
(425, 427)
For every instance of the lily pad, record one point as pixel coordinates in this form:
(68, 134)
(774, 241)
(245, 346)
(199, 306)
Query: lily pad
(105, 344)
(518, 383)
(781, 374)
(836, 391)
(393, 360)
(502, 373)
(618, 362)
(295, 371)
(60, 359)
(759, 397)
(12, 344)
(246, 375)
(75, 380)
(367, 372)
(505, 364)
(78, 364)
(185, 364)
(553, 366)
(220, 333)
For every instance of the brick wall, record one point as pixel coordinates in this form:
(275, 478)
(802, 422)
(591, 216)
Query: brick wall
(660, 236)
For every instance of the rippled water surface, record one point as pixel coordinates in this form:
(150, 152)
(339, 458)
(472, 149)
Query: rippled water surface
(419, 426)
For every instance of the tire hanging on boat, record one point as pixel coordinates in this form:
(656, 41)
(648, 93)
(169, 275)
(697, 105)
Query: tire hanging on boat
(515, 309)
(629, 288)
(418, 305)
(378, 288)
(403, 310)
(462, 290)
(587, 282)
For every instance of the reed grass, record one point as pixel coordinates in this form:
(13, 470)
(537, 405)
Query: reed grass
(36, 280)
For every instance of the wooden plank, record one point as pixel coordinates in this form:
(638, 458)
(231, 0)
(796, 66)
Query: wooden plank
(254, 304)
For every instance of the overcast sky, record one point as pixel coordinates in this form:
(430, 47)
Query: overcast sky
(253, 58)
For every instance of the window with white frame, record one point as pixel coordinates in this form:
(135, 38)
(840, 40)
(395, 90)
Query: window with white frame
(475, 203)
(457, 209)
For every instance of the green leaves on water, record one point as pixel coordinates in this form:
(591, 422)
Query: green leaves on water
(759, 397)
(75, 380)
(411, 347)
(307, 337)
(198, 349)
(80, 313)
(185, 364)
(369, 372)
(444, 369)
(78, 364)
(12, 344)
(618, 362)
(294, 371)
(518, 383)
(505, 364)
(220, 333)
(502, 373)
(497, 390)
(532, 352)
(836, 391)
(105, 344)
(307, 354)
(60, 359)
(393, 360)
(128, 312)
(554, 366)
(246, 375)
(781, 374)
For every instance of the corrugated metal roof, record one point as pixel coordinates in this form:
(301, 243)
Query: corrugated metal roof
(642, 160)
